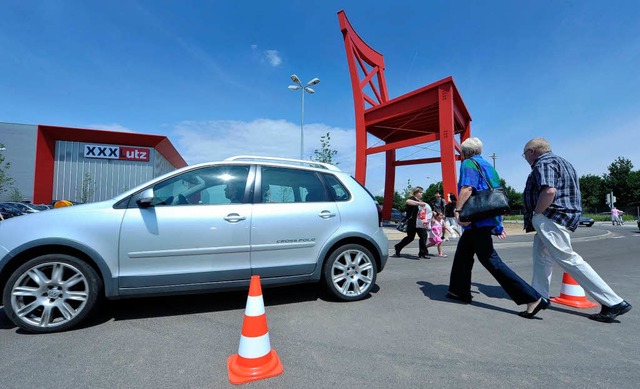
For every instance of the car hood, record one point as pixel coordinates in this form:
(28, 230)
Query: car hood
(58, 221)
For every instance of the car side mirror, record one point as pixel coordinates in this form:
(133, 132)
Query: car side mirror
(145, 199)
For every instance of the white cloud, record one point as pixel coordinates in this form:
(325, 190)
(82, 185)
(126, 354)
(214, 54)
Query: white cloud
(273, 57)
(218, 139)
(201, 141)
(110, 127)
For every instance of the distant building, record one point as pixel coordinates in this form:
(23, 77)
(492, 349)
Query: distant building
(51, 163)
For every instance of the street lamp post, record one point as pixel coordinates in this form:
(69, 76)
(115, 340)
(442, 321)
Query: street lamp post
(303, 89)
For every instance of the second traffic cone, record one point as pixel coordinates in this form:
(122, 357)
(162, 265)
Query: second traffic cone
(572, 294)
(255, 359)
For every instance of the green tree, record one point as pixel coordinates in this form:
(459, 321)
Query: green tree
(326, 154)
(593, 193)
(6, 181)
(429, 194)
(88, 188)
(406, 192)
(16, 195)
(634, 191)
(515, 197)
(398, 202)
(618, 181)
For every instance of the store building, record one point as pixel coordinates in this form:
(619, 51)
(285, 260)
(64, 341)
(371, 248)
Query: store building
(51, 163)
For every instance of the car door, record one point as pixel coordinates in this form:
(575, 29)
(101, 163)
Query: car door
(291, 221)
(196, 230)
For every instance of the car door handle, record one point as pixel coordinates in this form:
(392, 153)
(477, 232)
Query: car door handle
(326, 214)
(234, 218)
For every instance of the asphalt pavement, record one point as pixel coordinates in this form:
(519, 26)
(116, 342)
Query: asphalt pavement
(405, 335)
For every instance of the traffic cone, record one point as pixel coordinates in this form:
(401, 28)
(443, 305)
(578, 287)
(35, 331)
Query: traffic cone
(255, 359)
(572, 294)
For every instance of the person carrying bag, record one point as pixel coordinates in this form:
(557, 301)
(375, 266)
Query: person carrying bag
(413, 203)
(485, 203)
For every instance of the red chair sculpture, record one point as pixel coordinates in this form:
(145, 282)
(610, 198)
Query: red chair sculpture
(433, 113)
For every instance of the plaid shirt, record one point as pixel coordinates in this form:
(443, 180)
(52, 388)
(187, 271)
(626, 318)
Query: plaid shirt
(550, 170)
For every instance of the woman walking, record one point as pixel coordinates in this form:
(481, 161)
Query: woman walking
(449, 212)
(413, 203)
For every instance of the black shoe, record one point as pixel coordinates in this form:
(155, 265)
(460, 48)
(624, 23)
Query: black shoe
(426, 256)
(397, 254)
(543, 304)
(608, 314)
(453, 296)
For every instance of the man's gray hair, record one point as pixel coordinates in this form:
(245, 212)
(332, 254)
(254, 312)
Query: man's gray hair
(538, 145)
(471, 147)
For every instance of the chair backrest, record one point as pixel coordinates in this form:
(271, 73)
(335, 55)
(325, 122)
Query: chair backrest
(366, 68)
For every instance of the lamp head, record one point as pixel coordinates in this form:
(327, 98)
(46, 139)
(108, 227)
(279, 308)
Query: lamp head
(295, 79)
(307, 89)
(313, 82)
(293, 87)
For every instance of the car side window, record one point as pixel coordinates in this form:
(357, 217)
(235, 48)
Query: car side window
(338, 191)
(282, 185)
(209, 186)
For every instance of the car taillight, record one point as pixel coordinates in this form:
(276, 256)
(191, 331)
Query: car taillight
(379, 215)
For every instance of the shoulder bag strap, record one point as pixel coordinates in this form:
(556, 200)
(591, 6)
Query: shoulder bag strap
(481, 173)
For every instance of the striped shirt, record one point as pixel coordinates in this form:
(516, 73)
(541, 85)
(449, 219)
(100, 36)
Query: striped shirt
(470, 176)
(552, 171)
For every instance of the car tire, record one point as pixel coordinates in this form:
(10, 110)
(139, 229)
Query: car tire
(350, 272)
(51, 293)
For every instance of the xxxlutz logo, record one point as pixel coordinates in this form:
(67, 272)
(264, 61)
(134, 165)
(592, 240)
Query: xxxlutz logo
(117, 152)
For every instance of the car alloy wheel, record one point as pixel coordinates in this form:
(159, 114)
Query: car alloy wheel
(350, 272)
(51, 293)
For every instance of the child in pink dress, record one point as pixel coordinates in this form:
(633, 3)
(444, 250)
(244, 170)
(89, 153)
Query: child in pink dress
(435, 232)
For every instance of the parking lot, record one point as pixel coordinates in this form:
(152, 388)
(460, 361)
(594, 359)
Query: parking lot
(406, 335)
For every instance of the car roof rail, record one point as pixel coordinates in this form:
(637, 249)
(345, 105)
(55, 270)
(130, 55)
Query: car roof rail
(315, 164)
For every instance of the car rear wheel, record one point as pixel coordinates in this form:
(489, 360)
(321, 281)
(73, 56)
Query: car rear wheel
(350, 272)
(51, 293)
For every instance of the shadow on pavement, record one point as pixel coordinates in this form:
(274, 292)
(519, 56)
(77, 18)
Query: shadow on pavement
(163, 306)
(439, 292)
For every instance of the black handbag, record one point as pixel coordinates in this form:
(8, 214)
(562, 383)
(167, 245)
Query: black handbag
(486, 203)
(402, 225)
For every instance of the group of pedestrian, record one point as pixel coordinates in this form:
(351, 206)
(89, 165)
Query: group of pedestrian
(552, 209)
(427, 222)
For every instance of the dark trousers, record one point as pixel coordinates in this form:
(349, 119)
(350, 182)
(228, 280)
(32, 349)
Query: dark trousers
(478, 241)
(412, 231)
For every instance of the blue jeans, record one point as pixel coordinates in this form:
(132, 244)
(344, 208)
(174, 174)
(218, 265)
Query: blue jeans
(478, 241)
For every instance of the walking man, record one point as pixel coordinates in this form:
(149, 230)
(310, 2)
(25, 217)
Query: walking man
(552, 208)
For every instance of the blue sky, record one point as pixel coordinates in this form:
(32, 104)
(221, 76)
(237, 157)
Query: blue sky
(213, 75)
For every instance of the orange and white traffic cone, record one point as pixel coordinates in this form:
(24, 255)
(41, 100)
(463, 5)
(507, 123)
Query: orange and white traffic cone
(572, 294)
(255, 359)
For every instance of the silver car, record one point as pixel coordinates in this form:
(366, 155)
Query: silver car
(200, 228)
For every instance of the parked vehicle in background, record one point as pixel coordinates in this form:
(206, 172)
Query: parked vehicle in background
(586, 221)
(10, 210)
(25, 208)
(200, 228)
(396, 215)
(8, 213)
(638, 220)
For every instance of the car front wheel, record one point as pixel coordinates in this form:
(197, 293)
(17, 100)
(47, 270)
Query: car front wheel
(51, 293)
(350, 272)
